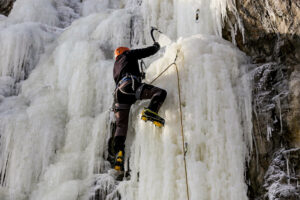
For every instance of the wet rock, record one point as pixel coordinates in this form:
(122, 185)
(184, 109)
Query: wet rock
(281, 179)
(271, 29)
(270, 111)
(275, 125)
(294, 113)
(269, 32)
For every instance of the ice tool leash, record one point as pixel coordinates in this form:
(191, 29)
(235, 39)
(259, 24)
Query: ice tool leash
(184, 145)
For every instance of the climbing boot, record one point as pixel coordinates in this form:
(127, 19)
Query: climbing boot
(152, 116)
(119, 161)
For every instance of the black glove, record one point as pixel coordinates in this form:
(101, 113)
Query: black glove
(156, 44)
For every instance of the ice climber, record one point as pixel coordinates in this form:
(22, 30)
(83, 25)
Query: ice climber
(129, 89)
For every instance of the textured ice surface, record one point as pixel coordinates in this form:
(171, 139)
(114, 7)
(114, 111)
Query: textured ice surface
(54, 133)
(281, 174)
(208, 68)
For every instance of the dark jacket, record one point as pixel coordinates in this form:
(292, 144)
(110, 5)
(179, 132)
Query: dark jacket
(127, 63)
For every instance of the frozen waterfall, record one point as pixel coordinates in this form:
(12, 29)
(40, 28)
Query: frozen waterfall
(56, 90)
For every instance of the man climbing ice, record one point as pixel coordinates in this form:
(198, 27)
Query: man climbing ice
(129, 89)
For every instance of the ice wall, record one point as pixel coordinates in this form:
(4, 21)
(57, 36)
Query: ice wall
(53, 133)
(209, 74)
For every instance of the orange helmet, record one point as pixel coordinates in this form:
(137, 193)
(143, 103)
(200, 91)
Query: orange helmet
(120, 50)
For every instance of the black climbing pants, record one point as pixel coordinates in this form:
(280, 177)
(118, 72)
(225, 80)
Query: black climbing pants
(144, 91)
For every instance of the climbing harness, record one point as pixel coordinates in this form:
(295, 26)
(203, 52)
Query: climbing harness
(123, 82)
(184, 144)
(125, 79)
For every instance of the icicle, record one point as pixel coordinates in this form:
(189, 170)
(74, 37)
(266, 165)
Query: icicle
(277, 100)
(55, 131)
(269, 133)
(288, 169)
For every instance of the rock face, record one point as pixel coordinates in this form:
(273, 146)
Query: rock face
(271, 29)
(294, 113)
(6, 6)
(281, 183)
(271, 37)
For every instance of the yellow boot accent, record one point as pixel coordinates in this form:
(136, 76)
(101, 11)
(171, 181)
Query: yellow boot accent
(119, 161)
(149, 111)
(120, 154)
(158, 124)
(143, 117)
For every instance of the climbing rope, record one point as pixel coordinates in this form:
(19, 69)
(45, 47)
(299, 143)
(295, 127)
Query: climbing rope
(173, 63)
(181, 120)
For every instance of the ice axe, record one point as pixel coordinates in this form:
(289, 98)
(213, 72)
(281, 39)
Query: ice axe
(142, 64)
(152, 30)
(163, 40)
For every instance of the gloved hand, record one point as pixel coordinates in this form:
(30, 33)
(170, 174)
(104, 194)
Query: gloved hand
(156, 44)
